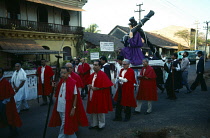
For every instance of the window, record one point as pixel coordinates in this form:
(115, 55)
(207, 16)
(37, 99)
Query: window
(65, 17)
(67, 53)
(47, 56)
(42, 14)
(13, 9)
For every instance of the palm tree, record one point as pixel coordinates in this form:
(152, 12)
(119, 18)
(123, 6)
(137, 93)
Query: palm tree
(92, 28)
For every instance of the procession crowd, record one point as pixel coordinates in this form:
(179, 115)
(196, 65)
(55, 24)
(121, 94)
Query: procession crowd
(76, 82)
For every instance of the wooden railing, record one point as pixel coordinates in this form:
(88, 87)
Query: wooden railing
(6, 23)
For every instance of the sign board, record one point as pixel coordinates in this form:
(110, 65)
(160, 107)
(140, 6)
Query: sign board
(107, 46)
(94, 56)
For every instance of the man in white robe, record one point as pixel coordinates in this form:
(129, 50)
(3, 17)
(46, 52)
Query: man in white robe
(20, 86)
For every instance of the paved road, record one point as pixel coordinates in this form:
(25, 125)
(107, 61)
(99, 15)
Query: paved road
(188, 116)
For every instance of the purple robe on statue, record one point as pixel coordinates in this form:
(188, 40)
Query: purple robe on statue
(133, 51)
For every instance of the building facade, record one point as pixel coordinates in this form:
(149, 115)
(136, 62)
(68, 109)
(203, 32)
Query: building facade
(51, 26)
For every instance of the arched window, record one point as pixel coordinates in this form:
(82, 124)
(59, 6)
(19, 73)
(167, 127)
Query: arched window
(47, 56)
(67, 53)
(46, 47)
(13, 9)
(65, 17)
(42, 14)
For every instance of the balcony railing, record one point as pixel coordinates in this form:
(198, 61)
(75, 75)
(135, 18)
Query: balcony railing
(6, 23)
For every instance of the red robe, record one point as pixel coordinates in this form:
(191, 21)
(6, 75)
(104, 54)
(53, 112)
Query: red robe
(6, 91)
(78, 80)
(72, 123)
(84, 72)
(147, 88)
(48, 73)
(101, 99)
(128, 98)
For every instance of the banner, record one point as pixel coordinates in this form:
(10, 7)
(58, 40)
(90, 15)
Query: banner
(94, 56)
(107, 46)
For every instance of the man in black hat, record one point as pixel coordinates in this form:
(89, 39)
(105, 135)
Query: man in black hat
(173, 82)
(200, 72)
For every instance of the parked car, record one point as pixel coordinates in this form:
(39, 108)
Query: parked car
(192, 56)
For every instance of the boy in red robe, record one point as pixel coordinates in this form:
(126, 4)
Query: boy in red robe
(68, 110)
(84, 73)
(8, 111)
(125, 92)
(99, 99)
(45, 74)
(147, 88)
(75, 77)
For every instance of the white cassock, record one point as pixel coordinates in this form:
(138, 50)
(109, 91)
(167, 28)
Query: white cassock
(17, 79)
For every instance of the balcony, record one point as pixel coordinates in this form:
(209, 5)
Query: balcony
(6, 23)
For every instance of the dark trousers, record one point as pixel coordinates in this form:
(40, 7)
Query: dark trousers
(169, 85)
(199, 80)
(44, 97)
(160, 87)
(84, 91)
(119, 107)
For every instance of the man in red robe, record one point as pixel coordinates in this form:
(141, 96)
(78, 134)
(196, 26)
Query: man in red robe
(68, 110)
(125, 92)
(45, 74)
(99, 99)
(147, 88)
(84, 73)
(8, 111)
(75, 77)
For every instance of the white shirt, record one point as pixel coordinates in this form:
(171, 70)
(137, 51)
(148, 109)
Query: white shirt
(118, 68)
(122, 79)
(42, 74)
(93, 81)
(61, 107)
(178, 66)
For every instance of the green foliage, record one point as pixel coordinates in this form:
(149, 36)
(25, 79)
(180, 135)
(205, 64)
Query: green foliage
(184, 34)
(92, 29)
(180, 47)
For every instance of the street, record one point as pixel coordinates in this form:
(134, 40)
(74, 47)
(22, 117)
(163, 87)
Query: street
(188, 116)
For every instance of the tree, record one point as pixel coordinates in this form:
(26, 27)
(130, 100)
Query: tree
(92, 29)
(180, 47)
(184, 34)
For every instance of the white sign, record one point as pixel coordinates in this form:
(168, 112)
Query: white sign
(94, 56)
(107, 46)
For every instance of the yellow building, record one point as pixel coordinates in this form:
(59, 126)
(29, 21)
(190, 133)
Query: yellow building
(35, 29)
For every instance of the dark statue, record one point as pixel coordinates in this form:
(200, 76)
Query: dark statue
(135, 40)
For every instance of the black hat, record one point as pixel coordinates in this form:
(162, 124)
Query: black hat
(133, 22)
(200, 52)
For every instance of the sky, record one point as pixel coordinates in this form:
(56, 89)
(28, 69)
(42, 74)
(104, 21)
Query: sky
(109, 13)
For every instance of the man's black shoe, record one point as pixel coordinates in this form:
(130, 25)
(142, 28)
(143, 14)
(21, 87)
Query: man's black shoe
(146, 113)
(95, 127)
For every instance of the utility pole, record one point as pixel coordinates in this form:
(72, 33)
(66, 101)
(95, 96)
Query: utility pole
(196, 34)
(207, 30)
(139, 11)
